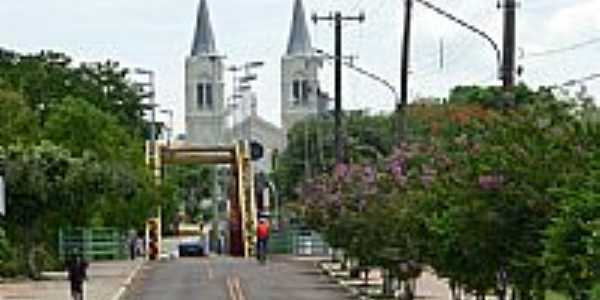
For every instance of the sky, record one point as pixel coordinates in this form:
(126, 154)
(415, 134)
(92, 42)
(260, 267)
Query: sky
(157, 35)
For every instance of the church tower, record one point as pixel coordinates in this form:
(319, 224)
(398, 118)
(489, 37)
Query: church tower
(204, 86)
(300, 96)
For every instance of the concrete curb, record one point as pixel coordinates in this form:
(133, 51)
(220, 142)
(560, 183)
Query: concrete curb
(127, 282)
(55, 276)
(353, 291)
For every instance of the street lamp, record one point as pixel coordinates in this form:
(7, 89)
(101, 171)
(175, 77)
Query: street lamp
(151, 95)
(244, 88)
(248, 78)
(254, 64)
(242, 84)
(143, 71)
(246, 66)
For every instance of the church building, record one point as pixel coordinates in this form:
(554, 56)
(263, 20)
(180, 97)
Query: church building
(207, 112)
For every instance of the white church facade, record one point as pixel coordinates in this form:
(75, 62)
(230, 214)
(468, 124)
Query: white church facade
(207, 112)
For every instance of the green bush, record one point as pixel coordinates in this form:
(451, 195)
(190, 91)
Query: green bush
(12, 268)
(4, 247)
(9, 263)
(595, 293)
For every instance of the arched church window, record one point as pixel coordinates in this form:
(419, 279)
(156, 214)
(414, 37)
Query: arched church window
(208, 100)
(296, 92)
(305, 91)
(301, 91)
(205, 97)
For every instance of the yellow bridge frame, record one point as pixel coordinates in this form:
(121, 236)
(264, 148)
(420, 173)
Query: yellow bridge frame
(243, 211)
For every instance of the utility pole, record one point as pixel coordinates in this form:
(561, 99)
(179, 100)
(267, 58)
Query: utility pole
(508, 82)
(509, 47)
(400, 107)
(338, 18)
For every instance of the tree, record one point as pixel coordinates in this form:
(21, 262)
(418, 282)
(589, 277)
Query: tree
(72, 140)
(80, 126)
(493, 96)
(35, 178)
(17, 121)
(572, 246)
(49, 189)
(311, 147)
(187, 186)
(470, 194)
(45, 79)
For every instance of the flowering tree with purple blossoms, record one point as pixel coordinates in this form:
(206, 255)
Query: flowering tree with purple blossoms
(493, 206)
(472, 194)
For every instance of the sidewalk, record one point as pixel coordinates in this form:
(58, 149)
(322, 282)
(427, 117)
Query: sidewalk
(106, 282)
(429, 286)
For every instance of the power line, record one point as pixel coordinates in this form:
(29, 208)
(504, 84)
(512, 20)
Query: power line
(564, 49)
(591, 77)
(466, 25)
(455, 45)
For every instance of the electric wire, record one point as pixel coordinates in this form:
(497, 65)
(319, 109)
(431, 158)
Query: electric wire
(561, 50)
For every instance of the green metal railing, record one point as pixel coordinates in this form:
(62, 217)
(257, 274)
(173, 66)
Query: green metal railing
(94, 243)
(300, 242)
(281, 242)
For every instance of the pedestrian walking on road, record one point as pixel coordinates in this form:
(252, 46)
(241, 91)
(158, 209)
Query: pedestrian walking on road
(262, 233)
(132, 247)
(77, 270)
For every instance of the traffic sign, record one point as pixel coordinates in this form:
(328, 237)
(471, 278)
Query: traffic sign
(256, 150)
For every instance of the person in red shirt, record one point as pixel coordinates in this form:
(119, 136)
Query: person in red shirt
(262, 234)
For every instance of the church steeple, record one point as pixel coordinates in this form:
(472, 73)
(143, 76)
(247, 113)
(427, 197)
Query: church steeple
(300, 67)
(204, 86)
(299, 42)
(204, 38)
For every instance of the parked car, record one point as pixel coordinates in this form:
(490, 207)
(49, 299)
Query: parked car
(191, 247)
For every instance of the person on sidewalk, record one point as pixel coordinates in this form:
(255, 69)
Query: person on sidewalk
(77, 270)
(132, 246)
(262, 234)
(221, 247)
(140, 246)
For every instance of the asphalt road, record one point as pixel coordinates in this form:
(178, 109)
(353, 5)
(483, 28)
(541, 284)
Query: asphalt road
(223, 278)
